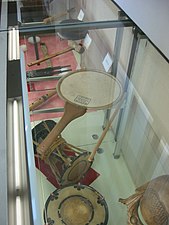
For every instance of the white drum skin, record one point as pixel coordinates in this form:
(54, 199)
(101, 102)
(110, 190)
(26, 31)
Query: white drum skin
(90, 89)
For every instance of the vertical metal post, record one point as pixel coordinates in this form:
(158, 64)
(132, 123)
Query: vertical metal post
(3, 114)
(68, 6)
(135, 43)
(116, 55)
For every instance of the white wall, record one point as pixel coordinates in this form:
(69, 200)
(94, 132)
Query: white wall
(151, 79)
(152, 17)
(146, 135)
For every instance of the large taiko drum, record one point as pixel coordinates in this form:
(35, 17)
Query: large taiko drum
(90, 89)
(76, 205)
(68, 163)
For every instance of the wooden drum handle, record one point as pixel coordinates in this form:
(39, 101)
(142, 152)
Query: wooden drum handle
(50, 56)
(71, 112)
(93, 153)
(41, 100)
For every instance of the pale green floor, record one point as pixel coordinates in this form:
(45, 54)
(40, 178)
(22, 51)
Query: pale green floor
(114, 181)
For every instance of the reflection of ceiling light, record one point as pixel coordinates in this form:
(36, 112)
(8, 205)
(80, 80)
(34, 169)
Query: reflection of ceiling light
(16, 133)
(18, 211)
(13, 44)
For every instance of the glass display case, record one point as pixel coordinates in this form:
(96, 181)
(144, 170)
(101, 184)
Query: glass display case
(86, 131)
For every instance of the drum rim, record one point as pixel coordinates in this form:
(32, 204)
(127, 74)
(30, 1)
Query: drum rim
(72, 162)
(81, 186)
(114, 103)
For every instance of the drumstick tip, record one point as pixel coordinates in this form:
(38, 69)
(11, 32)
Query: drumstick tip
(90, 159)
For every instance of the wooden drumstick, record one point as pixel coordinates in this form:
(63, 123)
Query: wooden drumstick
(77, 47)
(71, 112)
(93, 153)
(41, 100)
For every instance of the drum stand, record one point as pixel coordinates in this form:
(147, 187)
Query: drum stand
(68, 163)
(61, 158)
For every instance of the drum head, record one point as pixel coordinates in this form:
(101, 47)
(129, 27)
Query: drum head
(68, 34)
(40, 131)
(76, 205)
(76, 170)
(90, 89)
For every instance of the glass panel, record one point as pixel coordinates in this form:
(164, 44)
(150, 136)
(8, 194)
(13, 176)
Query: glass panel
(83, 76)
(54, 12)
(95, 111)
(78, 74)
(143, 137)
(148, 113)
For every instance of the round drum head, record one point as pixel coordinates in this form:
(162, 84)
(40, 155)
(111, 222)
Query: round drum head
(76, 205)
(72, 206)
(76, 170)
(40, 131)
(77, 34)
(90, 89)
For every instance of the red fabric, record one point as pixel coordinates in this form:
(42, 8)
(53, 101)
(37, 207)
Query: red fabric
(54, 44)
(53, 102)
(46, 170)
(37, 89)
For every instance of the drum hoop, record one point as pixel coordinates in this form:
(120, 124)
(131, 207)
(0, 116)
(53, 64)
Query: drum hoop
(69, 167)
(97, 71)
(55, 195)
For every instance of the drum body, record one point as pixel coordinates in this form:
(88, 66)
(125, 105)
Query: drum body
(90, 89)
(68, 163)
(154, 204)
(150, 203)
(76, 205)
(71, 167)
(74, 34)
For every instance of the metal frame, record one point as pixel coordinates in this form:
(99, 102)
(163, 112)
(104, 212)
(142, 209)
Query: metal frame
(3, 121)
(34, 196)
(116, 55)
(26, 30)
(137, 36)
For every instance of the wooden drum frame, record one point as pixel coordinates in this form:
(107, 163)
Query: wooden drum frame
(68, 163)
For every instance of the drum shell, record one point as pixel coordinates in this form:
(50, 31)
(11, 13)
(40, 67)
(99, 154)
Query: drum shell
(72, 172)
(67, 164)
(154, 205)
(54, 203)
